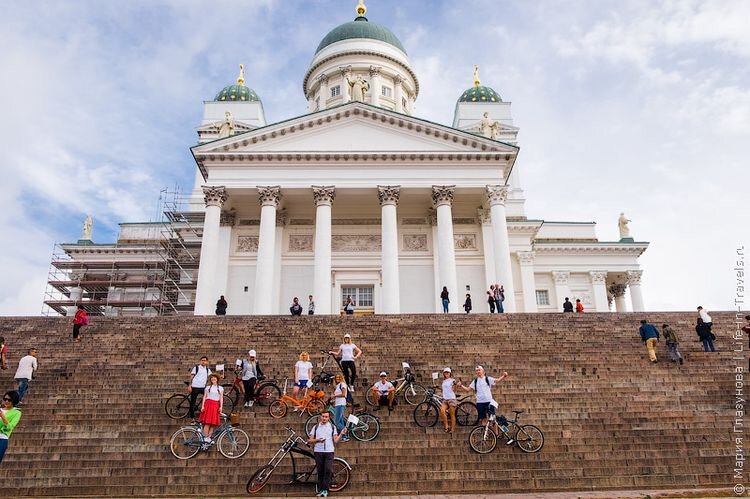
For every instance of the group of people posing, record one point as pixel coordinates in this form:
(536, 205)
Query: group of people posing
(495, 299)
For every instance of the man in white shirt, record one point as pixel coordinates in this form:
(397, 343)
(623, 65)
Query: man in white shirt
(198, 381)
(384, 391)
(482, 386)
(705, 317)
(324, 436)
(25, 372)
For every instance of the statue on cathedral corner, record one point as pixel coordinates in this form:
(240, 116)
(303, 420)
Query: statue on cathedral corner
(226, 128)
(88, 224)
(489, 128)
(358, 88)
(622, 224)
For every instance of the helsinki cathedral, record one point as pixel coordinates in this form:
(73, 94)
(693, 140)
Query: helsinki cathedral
(357, 196)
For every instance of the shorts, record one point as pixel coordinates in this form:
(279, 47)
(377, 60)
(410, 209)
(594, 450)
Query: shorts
(302, 383)
(483, 409)
(450, 402)
(383, 400)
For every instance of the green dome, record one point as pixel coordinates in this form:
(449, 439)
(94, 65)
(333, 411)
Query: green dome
(237, 92)
(360, 28)
(480, 94)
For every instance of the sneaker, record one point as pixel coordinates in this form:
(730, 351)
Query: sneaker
(510, 442)
(322, 493)
(681, 361)
(250, 404)
(247, 404)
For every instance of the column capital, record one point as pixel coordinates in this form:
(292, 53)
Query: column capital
(634, 277)
(322, 78)
(269, 195)
(345, 70)
(442, 194)
(598, 276)
(323, 194)
(281, 218)
(432, 217)
(397, 80)
(484, 216)
(214, 195)
(374, 71)
(617, 289)
(227, 217)
(525, 257)
(561, 276)
(496, 194)
(389, 194)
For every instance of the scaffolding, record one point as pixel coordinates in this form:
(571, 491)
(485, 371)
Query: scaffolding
(155, 275)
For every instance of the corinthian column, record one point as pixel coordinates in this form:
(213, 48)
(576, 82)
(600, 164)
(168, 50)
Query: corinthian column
(388, 196)
(526, 259)
(599, 283)
(205, 294)
(496, 197)
(562, 290)
(375, 86)
(269, 198)
(634, 283)
(442, 198)
(323, 196)
(618, 292)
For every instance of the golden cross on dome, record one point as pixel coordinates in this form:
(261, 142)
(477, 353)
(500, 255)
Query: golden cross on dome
(476, 76)
(241, 77)
(361, 9)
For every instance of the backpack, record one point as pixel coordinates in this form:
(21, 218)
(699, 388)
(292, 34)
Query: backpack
(476, 380)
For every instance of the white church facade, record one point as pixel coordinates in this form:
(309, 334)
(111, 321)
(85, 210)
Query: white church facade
(359, 196)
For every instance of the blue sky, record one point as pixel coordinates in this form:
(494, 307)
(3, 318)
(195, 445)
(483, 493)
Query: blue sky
(635, 106)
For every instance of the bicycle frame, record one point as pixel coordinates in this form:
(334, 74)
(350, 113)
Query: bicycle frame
(291, 447)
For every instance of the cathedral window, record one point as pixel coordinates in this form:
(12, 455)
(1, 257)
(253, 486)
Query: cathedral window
(542, 297)
(386, 91)
(336, 91)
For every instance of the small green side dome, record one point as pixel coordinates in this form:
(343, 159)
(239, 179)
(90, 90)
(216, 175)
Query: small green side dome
(237, 92)
(360, 28)
(480, 93)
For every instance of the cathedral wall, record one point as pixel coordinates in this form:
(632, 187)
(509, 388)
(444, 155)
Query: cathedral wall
(296, 280)
(417, 289)
(473, 277)
(240, 301)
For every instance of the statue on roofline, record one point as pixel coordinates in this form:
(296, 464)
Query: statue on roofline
(226, 128)
(358, 88)
(622, 224)
(488, 127)
(88, 224)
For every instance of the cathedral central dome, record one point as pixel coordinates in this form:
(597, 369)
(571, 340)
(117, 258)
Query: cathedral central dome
(360, 28)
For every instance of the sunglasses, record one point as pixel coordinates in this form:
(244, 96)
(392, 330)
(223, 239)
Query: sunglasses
(7, 399)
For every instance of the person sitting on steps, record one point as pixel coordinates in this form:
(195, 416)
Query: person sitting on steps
(385, 391)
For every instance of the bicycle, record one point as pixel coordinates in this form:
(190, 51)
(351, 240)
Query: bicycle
(189, 440)
(341, 473)
(366, 429)
(324, 377)
(178, 405)
(311, 402)
(528, 438)
(263, 393)
(412, 392)
(426, 414)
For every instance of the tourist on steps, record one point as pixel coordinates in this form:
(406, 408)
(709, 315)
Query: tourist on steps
(198, 379)
(339, 402)
(567, 306)
(251, 372)
(221, 306)
(9, 418)
(491, 299)
(26, 368)
(579, 306)
(445, 299)
(448, 407)
(311, 306)
(385, 391)
(296, 308)
(3, 354)
(703, 315)
(482, 386)
(324, 436)
(212, 406)
(649, 336)
(467, 303)
(499, 298)
(670, 337)
(79, 320)
(302, 373)
(348, 352)
(349, 306)
(705, 335)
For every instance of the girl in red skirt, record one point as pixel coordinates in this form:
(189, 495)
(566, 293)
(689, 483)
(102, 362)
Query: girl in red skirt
(212, 406)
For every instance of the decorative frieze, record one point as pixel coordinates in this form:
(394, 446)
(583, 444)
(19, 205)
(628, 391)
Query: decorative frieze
(246, 222)
(465, 241)
(598, 277)
(561, 276)
(214, 195)
(389, 194)
(355, 221)
(323, 194)
(464, 221)
(414, 221)
(496, 194)
(525, 257)
(269, 195)
(356, 242)
(302, 221)
(442, 194)
(415, 242)
(300, 243)
(247, 244)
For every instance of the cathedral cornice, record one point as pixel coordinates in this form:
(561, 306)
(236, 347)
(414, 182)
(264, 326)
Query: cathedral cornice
(590, 248)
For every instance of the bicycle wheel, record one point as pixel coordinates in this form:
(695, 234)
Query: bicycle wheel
(340, 475)
(177, 406)
(233, 443)
(315, 407)
(267, 393)
(277, 409)
(367, 429)
(372, 398)
(414, 394)
(482, 440)
(228, 404)
(466, 414)
(426, 414)
(259, 479)
(529, 438)
(310, 423)
(185, 443)
(232, 392)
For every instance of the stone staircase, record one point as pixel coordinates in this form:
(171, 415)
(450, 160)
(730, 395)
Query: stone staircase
(94, 423)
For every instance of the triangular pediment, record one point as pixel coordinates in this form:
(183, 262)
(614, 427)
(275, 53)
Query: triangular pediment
(355, 127)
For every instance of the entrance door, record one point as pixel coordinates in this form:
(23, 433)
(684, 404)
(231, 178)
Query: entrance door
(362, 297)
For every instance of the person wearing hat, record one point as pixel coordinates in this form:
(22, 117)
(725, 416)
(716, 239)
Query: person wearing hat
(385, 391)
(482, 386)
(251, 371)
(448, 407)
(348, 352)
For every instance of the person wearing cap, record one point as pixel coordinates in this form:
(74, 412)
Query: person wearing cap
(385, 391)
(482, 386)
(449, 401)
(251, 371)
(339, 403)
(348, 352)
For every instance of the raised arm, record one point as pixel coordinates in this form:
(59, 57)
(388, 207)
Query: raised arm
(357, 352)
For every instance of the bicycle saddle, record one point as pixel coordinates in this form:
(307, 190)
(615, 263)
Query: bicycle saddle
(518, 412)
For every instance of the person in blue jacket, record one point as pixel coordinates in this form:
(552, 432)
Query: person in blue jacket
(649, 335)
